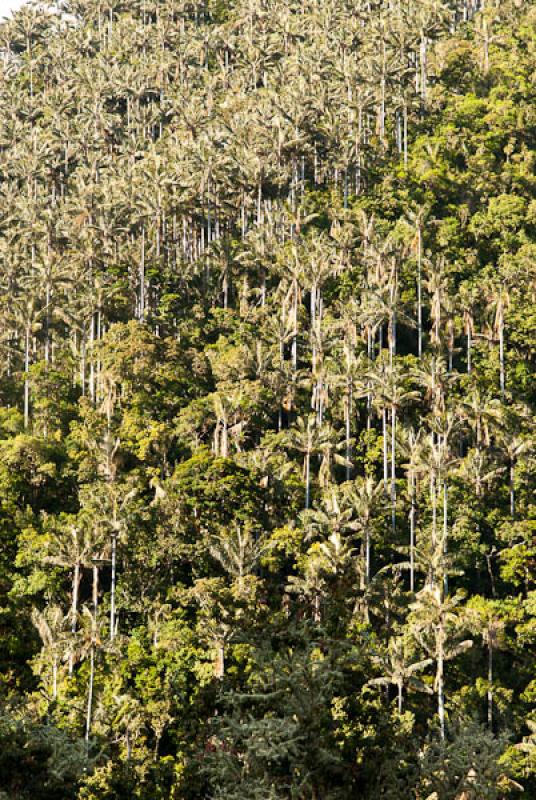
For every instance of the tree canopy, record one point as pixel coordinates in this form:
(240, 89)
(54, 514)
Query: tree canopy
(267, 472)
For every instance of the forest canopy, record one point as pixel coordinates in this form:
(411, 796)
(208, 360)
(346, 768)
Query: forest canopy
(267, 339)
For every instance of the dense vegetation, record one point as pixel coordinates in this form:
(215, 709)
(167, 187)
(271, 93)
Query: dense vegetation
(267, 314)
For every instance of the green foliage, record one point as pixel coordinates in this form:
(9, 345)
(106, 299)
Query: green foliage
(267, 468)
(38, 760)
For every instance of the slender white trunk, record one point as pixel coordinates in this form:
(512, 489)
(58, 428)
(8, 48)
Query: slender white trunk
(393, 469)
(307, 480)
(142, 276)
(92, 393)
(412, 515)
(367, 555)
(445, 528)
(490, 683)
(90, 692)
(385, 458)
(74, 602)
(348, 413)
(469, 350)
(440, 684)
(27, 377)
(433, 497)
(512, 492)
(501, 360)
(112, 588)
(419, 290)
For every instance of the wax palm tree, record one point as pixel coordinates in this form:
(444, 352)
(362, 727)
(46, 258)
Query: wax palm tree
(390, 393)
(485, 617)
(417, 218)
(436, 623)
(88, 642)
(437, 286)
(311, 439)
(432, 560)
(330, 516)
(72, 548)
(515, 447)
(399, 670)
(478, 469)
(434, 377)
(468, 298)
(364, 497)
(497, 301)
(412, 442)
(27, 314)
(128, 721)
(107, 508)
(484, 415)
(325, 561)
(436, 461)
(51, 625)
(238, 551)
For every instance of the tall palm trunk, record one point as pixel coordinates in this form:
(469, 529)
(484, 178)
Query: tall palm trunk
(113, 585)
(412, 515)
(440, 678)
(512, 490)
(74, 596)
(92, 393)
(385, 457)
(490, 681)
(502, 377)
(469, 352)
(419, 291)
(393, 469)
(47, 324)
(89, 708)
(55, 677)
(445, 529)
(27, 376)
(307, 471)
(367, 555)
(347, 426)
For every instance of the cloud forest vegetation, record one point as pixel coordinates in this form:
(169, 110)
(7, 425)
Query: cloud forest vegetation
(267, 344)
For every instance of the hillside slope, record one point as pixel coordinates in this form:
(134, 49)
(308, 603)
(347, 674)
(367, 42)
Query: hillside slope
(267, 469)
